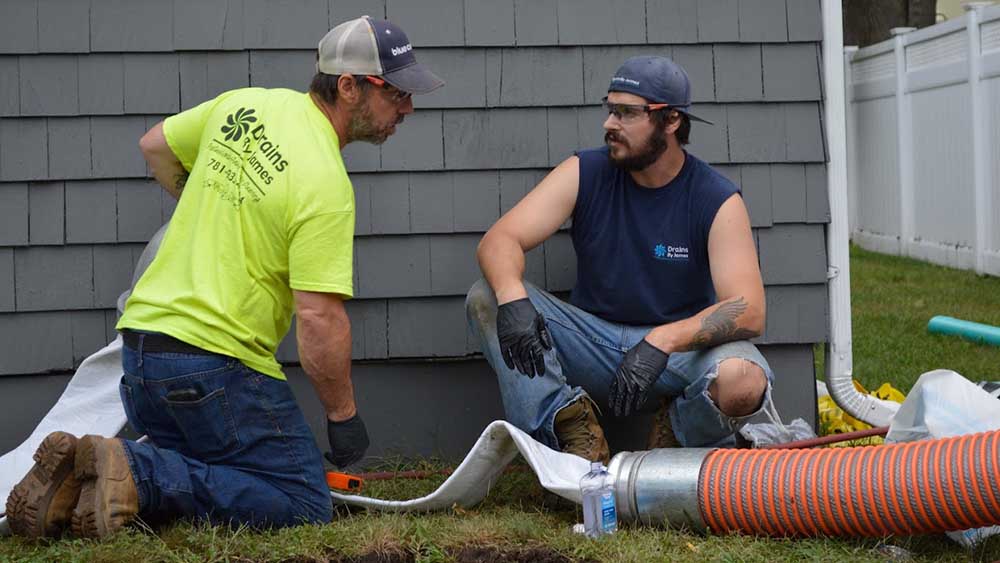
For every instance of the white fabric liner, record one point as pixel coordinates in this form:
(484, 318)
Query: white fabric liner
(89, 405)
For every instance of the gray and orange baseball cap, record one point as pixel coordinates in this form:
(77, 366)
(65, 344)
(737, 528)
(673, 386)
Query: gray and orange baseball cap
(657, 79)
(366, 46)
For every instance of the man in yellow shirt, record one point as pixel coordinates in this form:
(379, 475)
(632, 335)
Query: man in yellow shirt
(264, 226)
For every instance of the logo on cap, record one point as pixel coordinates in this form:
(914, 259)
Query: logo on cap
(631, 81)
(397, 51)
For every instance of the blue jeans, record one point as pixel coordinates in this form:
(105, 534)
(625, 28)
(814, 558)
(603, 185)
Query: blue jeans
(231, 445)
(586, 352)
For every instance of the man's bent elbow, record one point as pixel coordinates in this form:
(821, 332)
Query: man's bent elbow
(755, 320)
(485, 246)
(327, 319)
(146, 146)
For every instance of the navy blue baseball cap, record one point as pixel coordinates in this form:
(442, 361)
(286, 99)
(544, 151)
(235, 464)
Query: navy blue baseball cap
(365, 46)
(657, 79)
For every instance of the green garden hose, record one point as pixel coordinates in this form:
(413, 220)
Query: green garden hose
(976, 332)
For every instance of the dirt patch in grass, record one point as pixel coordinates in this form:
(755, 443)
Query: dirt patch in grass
(495, 555)
(379, 558)
(472, 554)
(391, 557)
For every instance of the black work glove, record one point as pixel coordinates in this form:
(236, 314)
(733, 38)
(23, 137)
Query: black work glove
(641, 367)
(348, 441)
(523, 337)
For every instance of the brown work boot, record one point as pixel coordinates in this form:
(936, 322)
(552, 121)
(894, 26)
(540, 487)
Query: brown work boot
(579, 432)
(109, 498)
(42, 503)
(661, 435)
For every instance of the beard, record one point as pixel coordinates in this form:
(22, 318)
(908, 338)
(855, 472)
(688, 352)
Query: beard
(654, 146)
(363, 127)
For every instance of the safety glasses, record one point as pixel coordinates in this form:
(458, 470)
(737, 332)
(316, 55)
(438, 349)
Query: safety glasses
(396, 95)
(630, 113)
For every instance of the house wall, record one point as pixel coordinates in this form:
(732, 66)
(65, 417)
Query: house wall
(81, 81)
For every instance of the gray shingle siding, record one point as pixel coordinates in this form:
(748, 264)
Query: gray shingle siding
(10, 86)
(439, 23)
(208, 26)
(283, 24)
(719, 21)
(87, 332)
(131, 25)
(672, 21)
(102, 84)
(525, 80)
(46, 218)
(791, 72)
(805, 20)
(69, 147)
(53, 278)
(24, 152)
(44, 83)
(763, 21)
(113, 267)
(13, 215)
(738, 73)
(489, 22)
(19, 27)
(36, 342)
(7, 297)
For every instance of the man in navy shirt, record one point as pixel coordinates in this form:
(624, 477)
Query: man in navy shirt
(668, 287)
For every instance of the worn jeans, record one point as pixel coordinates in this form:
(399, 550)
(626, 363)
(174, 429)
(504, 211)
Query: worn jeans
(227, 444)
(587, 351)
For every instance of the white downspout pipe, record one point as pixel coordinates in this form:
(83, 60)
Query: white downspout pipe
(839, 358)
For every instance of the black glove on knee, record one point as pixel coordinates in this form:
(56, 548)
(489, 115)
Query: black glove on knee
(641, 367)
(523, 337)
(348, 441)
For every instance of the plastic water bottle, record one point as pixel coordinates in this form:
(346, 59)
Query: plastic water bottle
(599, 514)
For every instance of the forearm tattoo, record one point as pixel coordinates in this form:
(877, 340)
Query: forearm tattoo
(180, 180)
(720, 326)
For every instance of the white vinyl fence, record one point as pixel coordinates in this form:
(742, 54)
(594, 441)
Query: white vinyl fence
(923, 141)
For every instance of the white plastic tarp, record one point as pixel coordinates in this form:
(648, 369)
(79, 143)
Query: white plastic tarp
(942, 404)
(89, 405)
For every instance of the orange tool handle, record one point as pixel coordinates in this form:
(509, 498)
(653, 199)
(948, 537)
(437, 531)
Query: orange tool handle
(343, 481)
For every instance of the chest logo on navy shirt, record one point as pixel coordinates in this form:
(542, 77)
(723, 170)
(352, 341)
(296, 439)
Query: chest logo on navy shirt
(671, 253)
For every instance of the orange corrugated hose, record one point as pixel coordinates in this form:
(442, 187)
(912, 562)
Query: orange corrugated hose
(903, 489)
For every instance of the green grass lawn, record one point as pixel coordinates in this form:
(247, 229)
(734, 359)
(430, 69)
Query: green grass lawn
(892, 301)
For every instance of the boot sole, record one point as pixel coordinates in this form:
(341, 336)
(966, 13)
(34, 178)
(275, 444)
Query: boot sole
(84, 522)
(89, 520)
(29, 502)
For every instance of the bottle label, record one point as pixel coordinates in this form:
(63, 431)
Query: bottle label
(609, 516)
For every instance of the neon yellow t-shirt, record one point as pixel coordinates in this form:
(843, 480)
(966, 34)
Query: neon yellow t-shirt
(267, 208)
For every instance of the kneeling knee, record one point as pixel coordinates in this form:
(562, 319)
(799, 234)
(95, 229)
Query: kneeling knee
(739, 388)
(481, 303)
(317, 510)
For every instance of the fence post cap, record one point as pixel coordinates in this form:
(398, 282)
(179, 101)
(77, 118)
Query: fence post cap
(975, 6)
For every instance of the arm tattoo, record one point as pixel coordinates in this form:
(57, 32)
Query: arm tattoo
(180, 180)
(720, 326)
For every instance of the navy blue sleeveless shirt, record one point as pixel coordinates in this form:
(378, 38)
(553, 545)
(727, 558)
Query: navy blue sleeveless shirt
(642, 253)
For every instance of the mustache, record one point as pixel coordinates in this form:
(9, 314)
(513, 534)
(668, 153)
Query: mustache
(611, 136)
